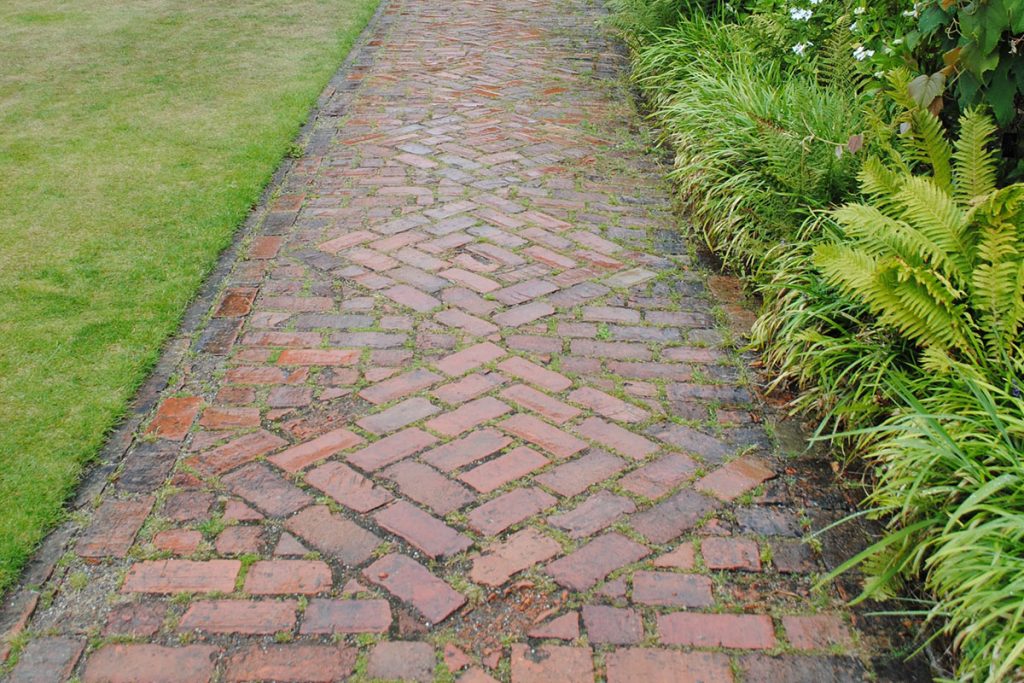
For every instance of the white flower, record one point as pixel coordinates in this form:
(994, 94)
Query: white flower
(853, 26)
(861, 53)
(860, 10)
(800, 47)
(815, 2)
(798, 14)
(912, 12)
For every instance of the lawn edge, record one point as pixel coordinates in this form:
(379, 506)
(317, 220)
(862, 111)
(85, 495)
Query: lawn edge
(20, 598)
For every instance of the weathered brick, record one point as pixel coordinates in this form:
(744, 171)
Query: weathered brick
(668, 519)
(321, 357)
(735, 478)
(470, 358)
(508, 509)
(582, 569)
(520, 551)
(234, 453)
(132, 662)
(816, 632)
(658, 478)
(410, 581)
(747, 631)
(615, 437)
(468, 449)
(239, 616)
(333, 535)
(230, 418)
(239, 540)
(612, 625)
(552, 664)
(398, 416)
(576, 476)
(496, 473)
(553, 440)
(346, 616)
(422, 530)
(467, 416)
(400, 386)
(594, 514)
(532, 373)
(730, 553)
(540, 403)
(401, 660)
(609, 406)
(668, 589)
(47, 659)
(348, 487)
(424, 485)
(174, 417)
(182, 576)
(273, 577)
(627, 665)
(267, 490)
(293, 663)
(391, 449)
(114, 527)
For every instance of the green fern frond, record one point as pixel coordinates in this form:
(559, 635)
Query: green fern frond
(927, 144)
(878, 182)
(935, 215)
(974, 172)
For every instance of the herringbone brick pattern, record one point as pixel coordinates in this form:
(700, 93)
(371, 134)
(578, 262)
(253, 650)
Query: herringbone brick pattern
(464, 410)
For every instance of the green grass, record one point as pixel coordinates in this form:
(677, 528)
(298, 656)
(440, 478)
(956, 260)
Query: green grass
(134, 137)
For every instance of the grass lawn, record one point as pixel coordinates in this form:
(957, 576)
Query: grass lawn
(134, 137)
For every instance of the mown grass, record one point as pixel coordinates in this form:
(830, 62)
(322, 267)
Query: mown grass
(134, 137)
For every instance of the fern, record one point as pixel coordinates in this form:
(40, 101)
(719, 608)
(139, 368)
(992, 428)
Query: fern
(974, 172)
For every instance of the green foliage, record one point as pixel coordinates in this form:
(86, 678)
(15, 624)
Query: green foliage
(939, 257)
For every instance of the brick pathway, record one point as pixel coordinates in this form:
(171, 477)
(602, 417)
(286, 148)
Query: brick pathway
(463, 412)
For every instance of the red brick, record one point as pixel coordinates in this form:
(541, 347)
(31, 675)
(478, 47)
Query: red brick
(274, 577)
(113, 528)
(517, 316)
(552, 664)
(683, 557)
(320, 357)
(594, 514)
(533, 343)
(467, 416)
(135, 619)
(582, 569)
(289, 397)
(747, 631)
(333, 535)
(495, 473)
(324, 446)
(470, 358)
(575, 477)
(238, 540)
(348, 487)
(272, 338)
(549, 257)
(188, 505)
(816, 632)
(265, 248)
(734, 479)
(471, 324)
(424, 485)
(668, 589)
(469, 387)
(613, 350)
(650, 371)
(609, 406)
(297, 304)
(398, 416)
(240, 616)
(174, 417)
(131, 663)
(412, 297)
(524, 291)
(731, 553)
(629, 665)
(541, 403)
(469, 301)
(400, 386)
(684, 354)
(347, 241)
(234, 453)
(391, 449)
(555, 441)
(267, 490)
(401, 660)
(532, 373)
(508, 509)
(668, 519)
(425, 532)
(565, 627)
(615, 437)
(291, 664)
(230, 418)
(371, 259)
(177, 541)
(346, 616)
(237, 302)
(468, 449)
(47, 659)
(709, 448)
(658, 478)
(612, 625)
(520, 551)
(410, 581)
(182, 576)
